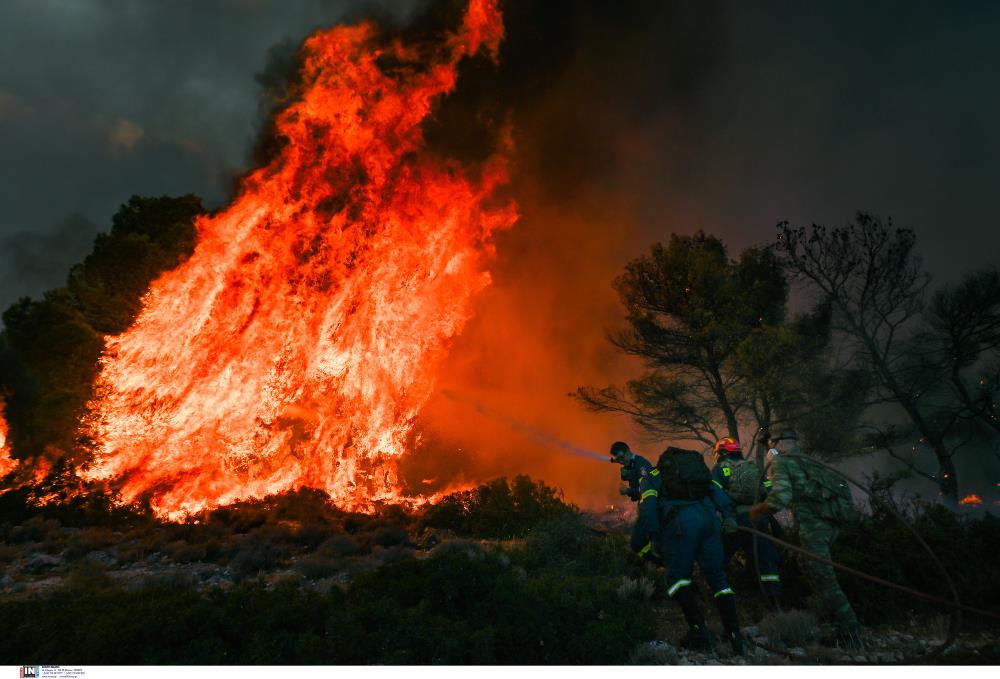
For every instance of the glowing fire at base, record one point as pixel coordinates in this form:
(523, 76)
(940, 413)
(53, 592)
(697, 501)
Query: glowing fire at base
(972, 500)
(297, 344)
(7, 465)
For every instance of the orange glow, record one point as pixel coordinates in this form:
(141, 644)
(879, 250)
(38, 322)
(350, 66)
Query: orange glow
(301, 339)
(973, 500)
(7, 465)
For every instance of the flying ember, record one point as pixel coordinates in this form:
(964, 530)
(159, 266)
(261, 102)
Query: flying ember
(300, 340)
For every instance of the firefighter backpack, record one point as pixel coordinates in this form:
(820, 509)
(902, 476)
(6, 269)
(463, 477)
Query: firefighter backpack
(744, 481)
(684, 474)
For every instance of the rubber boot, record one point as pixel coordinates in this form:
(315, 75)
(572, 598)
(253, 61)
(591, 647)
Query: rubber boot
(730, 622)
(697, 637)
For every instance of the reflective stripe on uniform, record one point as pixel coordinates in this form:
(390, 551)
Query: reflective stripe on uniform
(770, 577)
(768, 484)
(717, 483)
(727, 590)
(647, 549)
(655, 472)
(649, 493)
(727, 471)
(677, 585)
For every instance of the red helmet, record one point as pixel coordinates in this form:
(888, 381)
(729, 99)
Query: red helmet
(727, 444)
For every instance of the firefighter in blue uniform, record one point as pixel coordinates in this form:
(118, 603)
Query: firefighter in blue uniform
(687, 526)
(729, 460)
(634, 467)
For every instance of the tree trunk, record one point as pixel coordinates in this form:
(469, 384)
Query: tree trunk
(947, 479)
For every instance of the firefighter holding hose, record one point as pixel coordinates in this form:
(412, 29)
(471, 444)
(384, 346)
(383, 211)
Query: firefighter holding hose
(745, 484)
(644, 540)
(819, 501)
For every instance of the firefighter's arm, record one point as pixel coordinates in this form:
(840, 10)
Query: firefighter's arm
(779, 497)
(723, 504)
(719, 478)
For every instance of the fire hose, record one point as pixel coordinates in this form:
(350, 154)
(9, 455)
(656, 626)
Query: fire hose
(955, 604)
(545, 439)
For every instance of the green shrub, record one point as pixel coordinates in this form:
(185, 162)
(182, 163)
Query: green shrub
(570, 546)
(498, 509)
(317, 567)
(340, 545)
(450, 608)
(259, 553)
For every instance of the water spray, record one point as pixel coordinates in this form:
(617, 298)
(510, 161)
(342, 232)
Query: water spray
(536, 435)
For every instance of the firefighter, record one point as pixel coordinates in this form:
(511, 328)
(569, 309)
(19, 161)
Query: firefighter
(644, 540)
(819, 501)
(743, 484)
(687, 502)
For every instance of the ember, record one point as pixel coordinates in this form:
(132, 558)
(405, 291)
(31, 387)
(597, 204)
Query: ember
(298, 343)
(973, 500)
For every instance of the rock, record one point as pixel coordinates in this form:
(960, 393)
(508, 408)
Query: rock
(844, 658)
(860, 659)
(6, 581)
(101, 557)
(41, 563)
(797, 650)
(752, 631)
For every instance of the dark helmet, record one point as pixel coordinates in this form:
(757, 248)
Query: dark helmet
(619, 449)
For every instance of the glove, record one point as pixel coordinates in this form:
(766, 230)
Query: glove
(759, 511)
(729, 526)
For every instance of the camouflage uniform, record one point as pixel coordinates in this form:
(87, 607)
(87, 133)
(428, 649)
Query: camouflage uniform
(792, 486)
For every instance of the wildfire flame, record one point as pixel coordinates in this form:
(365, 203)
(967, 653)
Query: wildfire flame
(7, 465)
(298, 343)
(972, 500)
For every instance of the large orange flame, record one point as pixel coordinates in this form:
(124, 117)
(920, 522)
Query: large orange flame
(298, 343)
(7, 465)
(972, 500)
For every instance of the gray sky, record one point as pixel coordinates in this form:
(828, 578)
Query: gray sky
(102, 99)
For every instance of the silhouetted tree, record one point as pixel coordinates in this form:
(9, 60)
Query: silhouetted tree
(964, 325)
(49, 348)
(873, 281)
(689, 310)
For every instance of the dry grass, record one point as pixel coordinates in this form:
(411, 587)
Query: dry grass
(791, 628)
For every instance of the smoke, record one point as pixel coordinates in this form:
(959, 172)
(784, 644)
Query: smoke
(537, 436)
(573, 81)
(38, 260)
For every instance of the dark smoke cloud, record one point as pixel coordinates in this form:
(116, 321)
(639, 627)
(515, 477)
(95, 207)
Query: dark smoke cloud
(636, 120)
(32, 261)
(101, 99)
